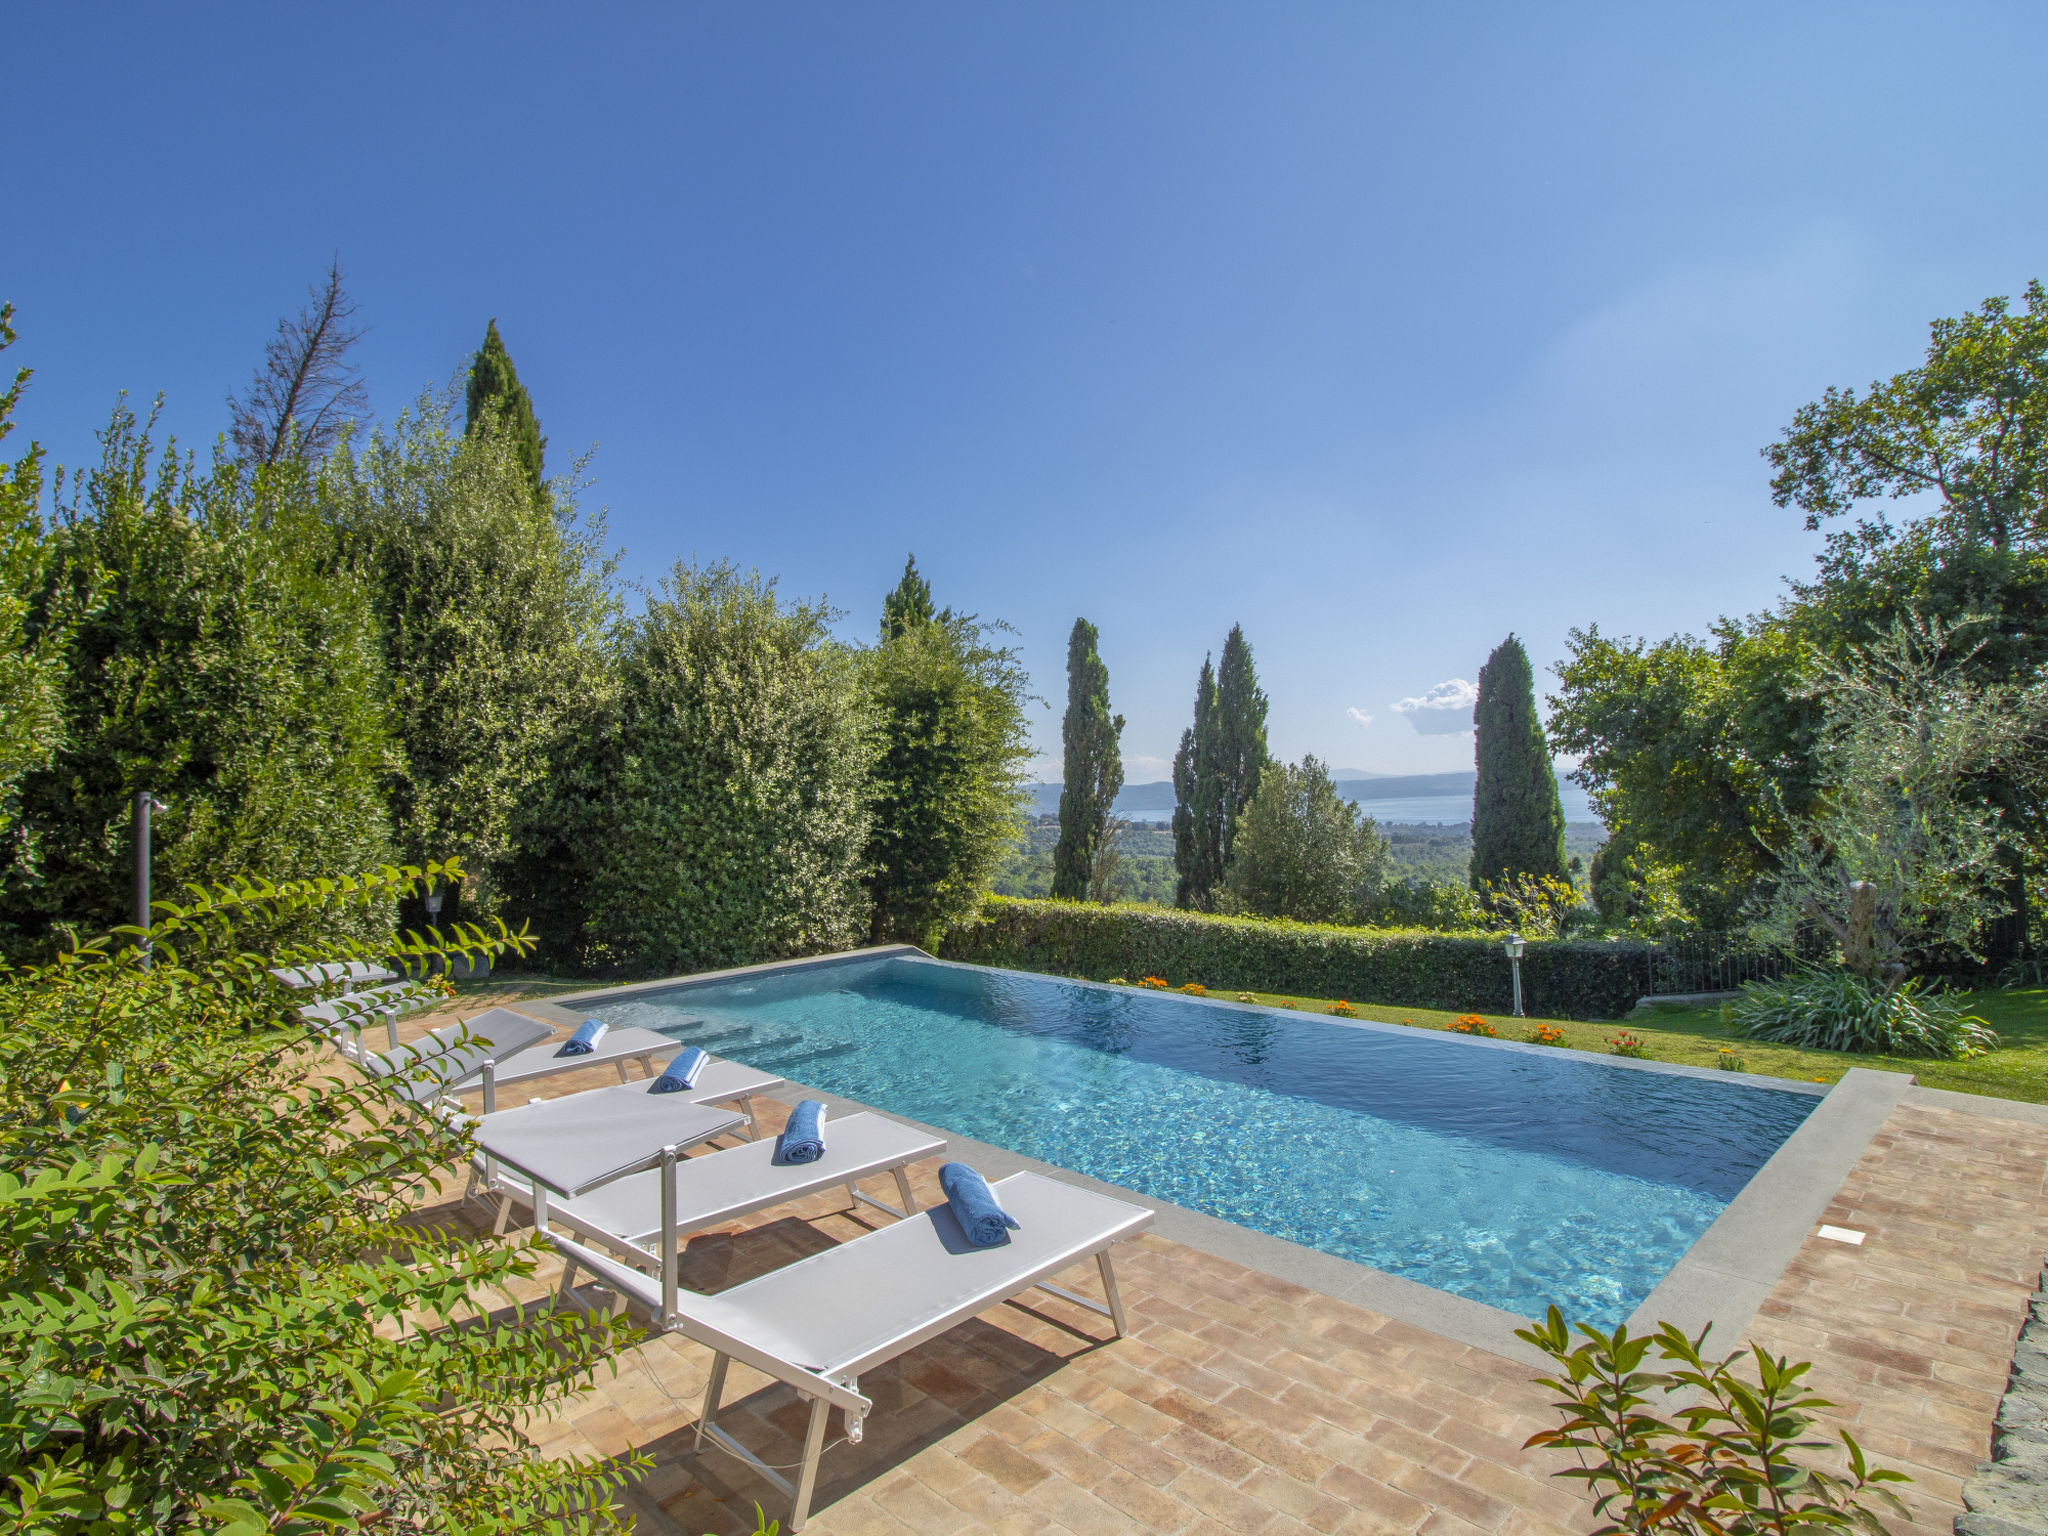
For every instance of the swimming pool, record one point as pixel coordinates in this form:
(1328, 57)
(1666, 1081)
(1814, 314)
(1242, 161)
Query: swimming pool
(1515, 1176)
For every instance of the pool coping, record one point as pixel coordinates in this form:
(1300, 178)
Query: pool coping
(1720, 1281)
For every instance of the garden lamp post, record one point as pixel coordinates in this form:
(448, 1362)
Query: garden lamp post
(1514, 947)
(434, 897)
(145, 802)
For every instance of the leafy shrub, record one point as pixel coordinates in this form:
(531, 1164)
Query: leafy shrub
(948, 706)
(216, 1304)
(1830, 1009)
(494, 608)
(1720, 1467)
(1446, 906)
(1300, 850)
(220, 660)
(718, 813)
(1367, 965)
(1537, 906)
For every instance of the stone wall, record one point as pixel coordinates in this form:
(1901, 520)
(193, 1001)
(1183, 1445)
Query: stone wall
(2009, 1494)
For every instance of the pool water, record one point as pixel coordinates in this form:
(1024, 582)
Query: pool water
(1516, 1177)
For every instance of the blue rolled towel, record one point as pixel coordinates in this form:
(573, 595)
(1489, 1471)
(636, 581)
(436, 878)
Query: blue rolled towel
(974, 1206)
(803, 1138)
(584, 1041)
(681, 1072)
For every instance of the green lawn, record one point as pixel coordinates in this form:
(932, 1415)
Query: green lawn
(1696, 1036)
(1691, 1036)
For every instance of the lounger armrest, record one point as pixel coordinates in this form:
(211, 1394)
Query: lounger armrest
(646, 1290)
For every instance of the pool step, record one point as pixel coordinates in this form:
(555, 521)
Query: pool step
(788, 1061)
(752, 1052)
(715, 1033)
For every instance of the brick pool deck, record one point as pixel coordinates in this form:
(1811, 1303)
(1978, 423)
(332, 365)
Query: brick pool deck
(1244, 1403)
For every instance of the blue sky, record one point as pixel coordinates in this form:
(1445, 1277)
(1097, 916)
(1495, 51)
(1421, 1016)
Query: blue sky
(1383, 331)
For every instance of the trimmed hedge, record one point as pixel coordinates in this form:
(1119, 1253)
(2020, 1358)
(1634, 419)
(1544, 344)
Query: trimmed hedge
(1397, 967)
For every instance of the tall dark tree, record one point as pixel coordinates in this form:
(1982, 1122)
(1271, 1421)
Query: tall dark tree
(1240, 740)
(495, 391)
(1517, 821)
(1195, 858)
(1094, 771)
(1216, 772)
(306, 390)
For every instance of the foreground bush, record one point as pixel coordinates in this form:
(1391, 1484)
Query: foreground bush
(1830, 1009)
(214, 1311)
(1455, 972)
(1720, 1466)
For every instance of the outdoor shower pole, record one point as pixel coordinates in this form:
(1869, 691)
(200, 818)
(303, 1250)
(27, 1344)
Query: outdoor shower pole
(144, 804)
(1514, 946)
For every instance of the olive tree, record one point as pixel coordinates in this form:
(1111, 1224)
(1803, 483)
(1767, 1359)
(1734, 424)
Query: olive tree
(1899, 853)
(1304, 852)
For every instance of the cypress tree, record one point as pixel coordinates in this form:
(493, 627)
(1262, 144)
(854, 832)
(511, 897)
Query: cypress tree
(1094, 770)
(1194, 793)
(909, 606)
(1216, 772)
(1239, 749)
(1517, 822)
(494, 389)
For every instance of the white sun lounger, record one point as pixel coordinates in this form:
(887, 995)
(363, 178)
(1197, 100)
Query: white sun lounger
(627, 1215)
(349, 973)
(720, 1082)
(820, 1322)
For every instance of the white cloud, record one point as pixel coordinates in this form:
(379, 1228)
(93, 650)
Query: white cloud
(1360, 716)
(1444, 710)
(1146, 770)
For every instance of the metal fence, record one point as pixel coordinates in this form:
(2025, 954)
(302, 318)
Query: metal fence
(1721, 961)
(1711, 962)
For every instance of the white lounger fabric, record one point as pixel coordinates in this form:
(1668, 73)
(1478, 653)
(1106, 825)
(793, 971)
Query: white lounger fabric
(818, 1323)
(724, 1186)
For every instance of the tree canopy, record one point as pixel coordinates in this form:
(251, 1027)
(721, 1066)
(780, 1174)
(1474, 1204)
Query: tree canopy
(1969, 427)
(222, 658)
(948, 713)
(717, 812)
(495, 609)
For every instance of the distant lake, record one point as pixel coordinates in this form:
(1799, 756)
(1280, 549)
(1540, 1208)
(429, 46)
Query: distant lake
(1451, 809)
(1154, 802)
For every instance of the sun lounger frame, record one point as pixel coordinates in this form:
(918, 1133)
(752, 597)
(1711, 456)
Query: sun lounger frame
(838, 1384)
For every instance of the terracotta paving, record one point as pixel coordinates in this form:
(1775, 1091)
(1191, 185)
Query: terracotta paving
(1243, 1403)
